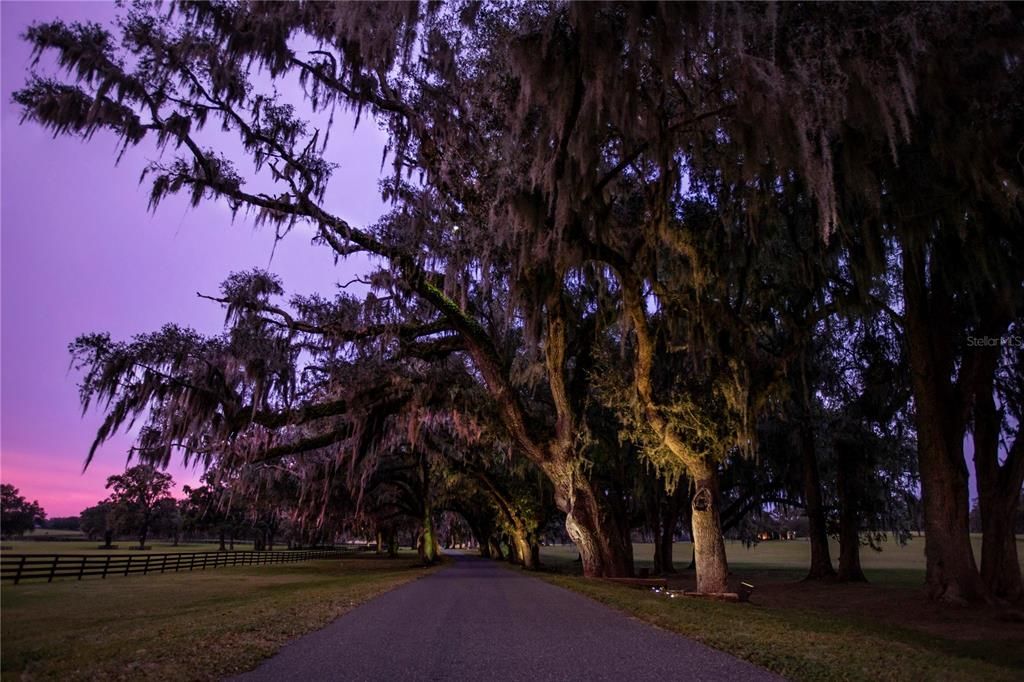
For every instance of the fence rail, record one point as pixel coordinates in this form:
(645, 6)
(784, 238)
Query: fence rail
(18, 567)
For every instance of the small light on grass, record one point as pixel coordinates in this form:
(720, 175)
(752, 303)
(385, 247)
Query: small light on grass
(746, 589)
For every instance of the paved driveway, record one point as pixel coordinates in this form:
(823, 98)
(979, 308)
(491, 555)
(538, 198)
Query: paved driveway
(478, 620)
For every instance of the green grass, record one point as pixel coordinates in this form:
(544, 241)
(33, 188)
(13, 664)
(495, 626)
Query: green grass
(195, 626)
(812, 645)
(882, 631)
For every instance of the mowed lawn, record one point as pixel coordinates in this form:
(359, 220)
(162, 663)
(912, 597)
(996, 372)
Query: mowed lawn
(885, 630)
(189, 626)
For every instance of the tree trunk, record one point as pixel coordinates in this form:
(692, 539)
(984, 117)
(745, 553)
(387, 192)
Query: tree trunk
(1000, 564)
(708, 543)
(952, 574)
(821, 560)
(142, 536)
(999, 491)
(526, 548)
(665, 543)
(428, 547)
(849, 516)
(222, 548)
(652, 512)
(605, 549)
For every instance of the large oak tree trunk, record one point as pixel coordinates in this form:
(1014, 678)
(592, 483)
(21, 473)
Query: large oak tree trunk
(708, 543)
(526, 548)
(952, 574)
(604, 547)
(427, 546)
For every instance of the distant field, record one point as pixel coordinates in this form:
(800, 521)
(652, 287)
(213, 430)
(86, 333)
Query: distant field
(896, 564)
(194, 626)
(124, 547)
(50, 532)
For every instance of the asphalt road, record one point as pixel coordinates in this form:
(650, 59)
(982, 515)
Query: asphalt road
(478, 620)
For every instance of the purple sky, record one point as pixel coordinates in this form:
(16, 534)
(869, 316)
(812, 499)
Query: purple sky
(81, 253)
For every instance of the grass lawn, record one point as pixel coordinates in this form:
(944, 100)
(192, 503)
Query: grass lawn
(895, 564)
(886, 630)
(194, 626)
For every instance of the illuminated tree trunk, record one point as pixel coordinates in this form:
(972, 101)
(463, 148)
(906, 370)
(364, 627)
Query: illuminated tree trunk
(604, 547)
(529, 550)
(526, 548)
(427, 546)
(708, 543)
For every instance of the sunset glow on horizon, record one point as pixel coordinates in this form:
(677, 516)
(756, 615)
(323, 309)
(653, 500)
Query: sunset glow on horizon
(82, 253)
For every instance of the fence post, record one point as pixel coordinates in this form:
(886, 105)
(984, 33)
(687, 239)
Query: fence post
(81, 569)
(145, 568)
(106, 565)
(53, 568)
(192, 562)
(128, 566)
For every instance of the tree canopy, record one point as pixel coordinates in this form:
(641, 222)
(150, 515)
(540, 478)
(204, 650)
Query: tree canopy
(17, 515)
(618, 233)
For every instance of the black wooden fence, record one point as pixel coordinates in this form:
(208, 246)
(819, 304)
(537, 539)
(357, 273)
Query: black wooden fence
(18, 567)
